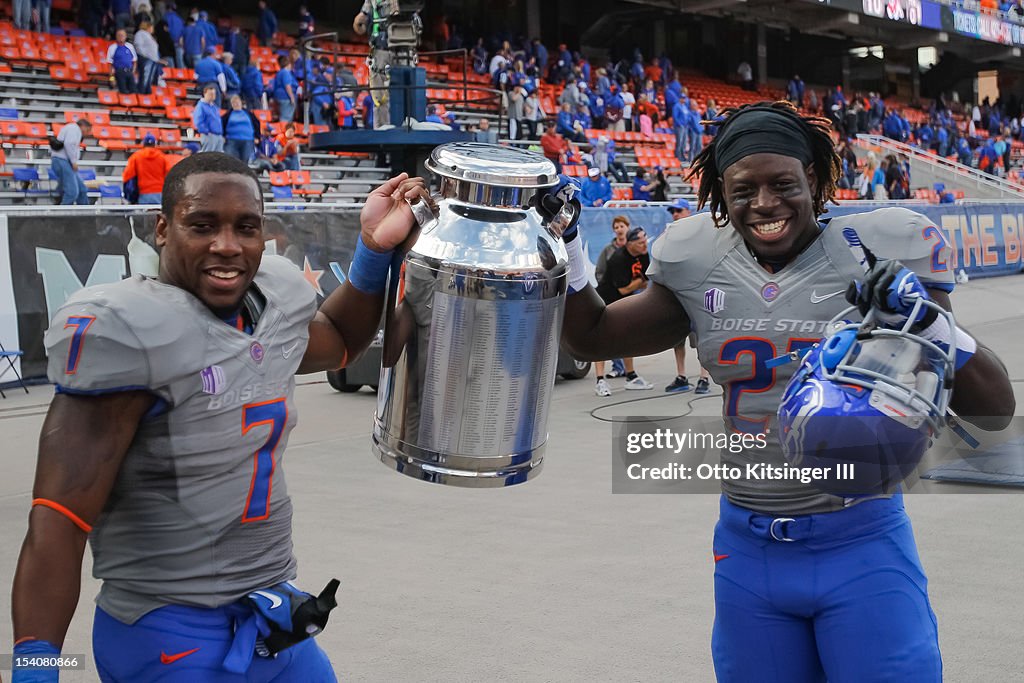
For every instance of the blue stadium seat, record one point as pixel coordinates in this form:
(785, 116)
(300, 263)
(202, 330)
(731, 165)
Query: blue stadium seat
(282, 192)
(110, 191)
(26, 175)
(87, 173)
(8, 113)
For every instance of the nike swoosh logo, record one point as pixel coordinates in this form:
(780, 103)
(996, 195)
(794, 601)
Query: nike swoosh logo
(171, 659)
(720, 557)
(815, 299)
(275, 600)
(287, 352)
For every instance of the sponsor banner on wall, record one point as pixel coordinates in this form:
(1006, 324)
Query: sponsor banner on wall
(52, 256)
(988, 239)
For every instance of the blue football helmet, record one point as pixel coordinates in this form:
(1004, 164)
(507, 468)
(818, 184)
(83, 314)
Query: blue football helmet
(866, 397)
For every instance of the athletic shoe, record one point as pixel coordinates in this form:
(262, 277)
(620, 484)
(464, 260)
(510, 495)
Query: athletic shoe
(678, 386)
(638, 383)
(602, 388)
(702, 386)
(613, 374)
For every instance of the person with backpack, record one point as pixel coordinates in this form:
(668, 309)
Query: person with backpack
(65, 153)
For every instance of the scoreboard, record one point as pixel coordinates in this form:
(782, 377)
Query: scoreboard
(973, 23)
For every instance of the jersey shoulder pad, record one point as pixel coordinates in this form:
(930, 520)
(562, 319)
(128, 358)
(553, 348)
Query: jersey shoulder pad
(285, 286)
(686, 252)
(900, 234)
(103, 338)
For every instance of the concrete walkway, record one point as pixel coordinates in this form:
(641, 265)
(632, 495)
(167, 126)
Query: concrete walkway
(558, 579)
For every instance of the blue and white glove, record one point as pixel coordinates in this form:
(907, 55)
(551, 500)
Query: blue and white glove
(561, 210)
(892, 290)
(32, 649)
(551, 201)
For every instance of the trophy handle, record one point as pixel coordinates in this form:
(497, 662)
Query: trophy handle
(425, 215)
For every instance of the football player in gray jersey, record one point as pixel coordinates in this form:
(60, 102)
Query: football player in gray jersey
(808, 586)
(163, 444)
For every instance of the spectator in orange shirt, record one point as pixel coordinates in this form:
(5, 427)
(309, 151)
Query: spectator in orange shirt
(288, 147)
(148, 168)
(554, 146)
(653, 71)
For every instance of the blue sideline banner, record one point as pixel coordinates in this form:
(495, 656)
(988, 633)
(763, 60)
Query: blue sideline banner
(988, 238)
(46, 257)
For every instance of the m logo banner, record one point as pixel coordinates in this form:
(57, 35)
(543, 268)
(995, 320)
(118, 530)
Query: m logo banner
(54, 254)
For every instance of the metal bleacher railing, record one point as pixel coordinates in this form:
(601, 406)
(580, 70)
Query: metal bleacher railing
(966, 177)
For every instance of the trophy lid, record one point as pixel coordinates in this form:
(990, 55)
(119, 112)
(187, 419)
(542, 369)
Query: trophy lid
(478, 162)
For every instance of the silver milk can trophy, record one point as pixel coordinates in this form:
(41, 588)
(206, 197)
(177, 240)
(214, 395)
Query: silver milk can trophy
(473, 324)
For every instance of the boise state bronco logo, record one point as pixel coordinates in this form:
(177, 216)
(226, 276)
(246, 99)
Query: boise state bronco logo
(770, 291)
(256, 351)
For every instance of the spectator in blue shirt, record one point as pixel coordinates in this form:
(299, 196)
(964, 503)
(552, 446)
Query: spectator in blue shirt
(597, 191)
(963, 150)
(680, 126)
(252, 86)
(795, 90)
(122, 11)
(284, 90)
(237, 43)
(541, 53)
(208, 29)
(193, 43)
(267, 151)
(176, 27)
(695, 130)
(306, 24)
(207, 121)
(582, 122)
(122, 58)
(267, 24)
(240, 130)
(209, 71)
(564, 124)
(321, 105)
(942, 141)
(232, 83)
(641, 187)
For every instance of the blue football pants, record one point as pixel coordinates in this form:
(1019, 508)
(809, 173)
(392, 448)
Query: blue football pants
(153, 650)
(845, 600)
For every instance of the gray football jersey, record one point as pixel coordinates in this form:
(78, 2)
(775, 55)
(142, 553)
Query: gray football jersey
(743, 316)
(199, 514)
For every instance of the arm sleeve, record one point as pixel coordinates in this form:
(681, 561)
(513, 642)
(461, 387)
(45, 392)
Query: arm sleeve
(90, 350)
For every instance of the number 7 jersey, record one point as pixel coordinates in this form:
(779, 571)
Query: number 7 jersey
(743, 316)
(199, 514)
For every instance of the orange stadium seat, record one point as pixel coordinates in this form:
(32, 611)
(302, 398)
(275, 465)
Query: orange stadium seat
(280, 178)
(170, 136)
(183, 113)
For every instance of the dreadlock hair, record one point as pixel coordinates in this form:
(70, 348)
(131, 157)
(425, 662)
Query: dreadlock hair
(827, 163)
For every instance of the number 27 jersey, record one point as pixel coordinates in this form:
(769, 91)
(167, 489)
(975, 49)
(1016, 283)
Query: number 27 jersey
(743, 316)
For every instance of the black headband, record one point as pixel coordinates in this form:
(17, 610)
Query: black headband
(761, 130)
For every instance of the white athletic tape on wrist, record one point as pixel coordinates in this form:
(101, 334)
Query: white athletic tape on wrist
(940, 333)
(577, 273)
